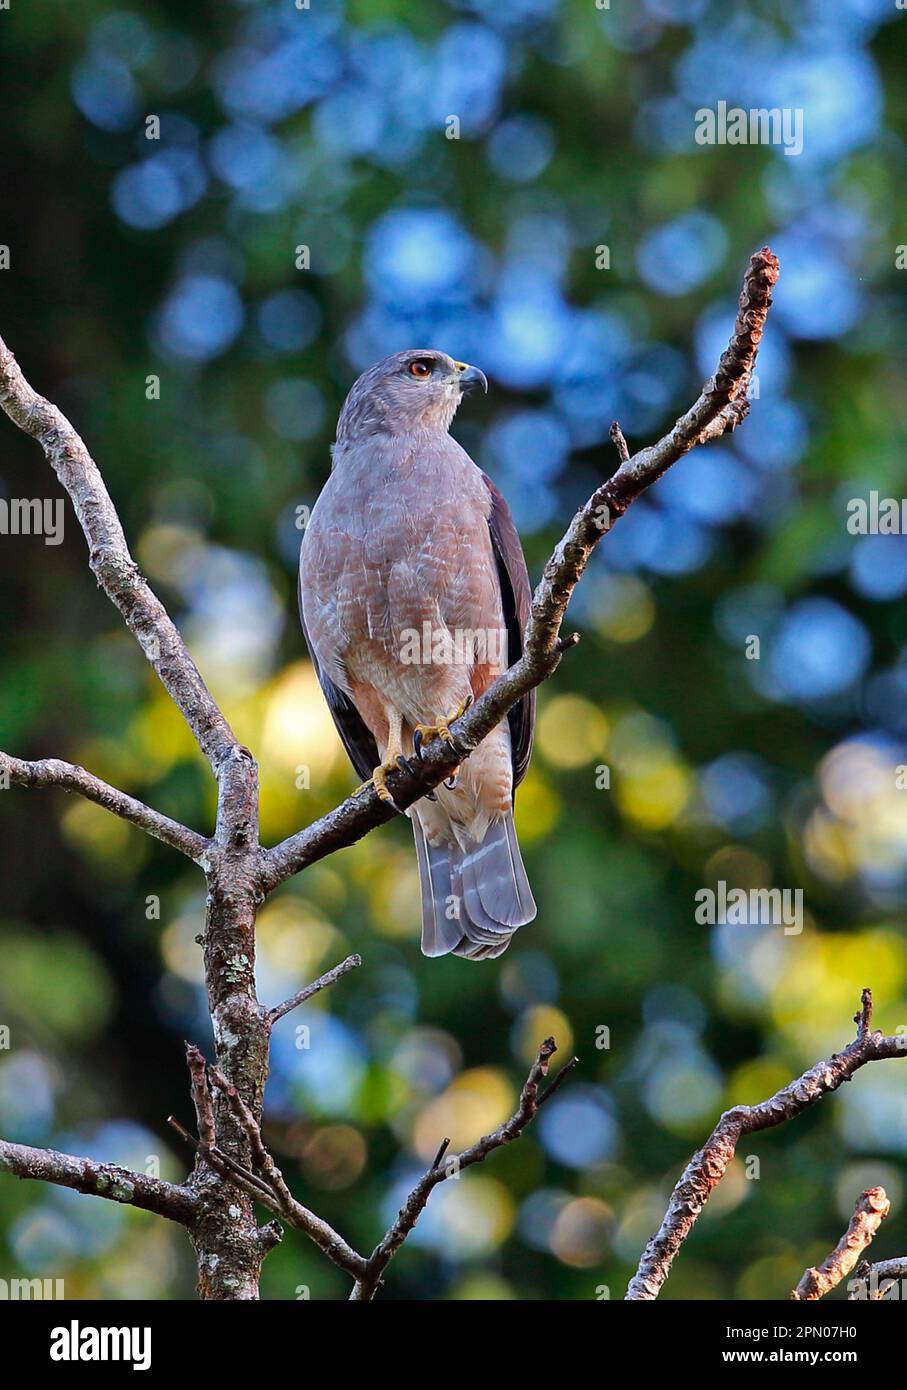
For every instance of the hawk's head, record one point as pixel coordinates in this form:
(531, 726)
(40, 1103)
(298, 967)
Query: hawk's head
(417, 389)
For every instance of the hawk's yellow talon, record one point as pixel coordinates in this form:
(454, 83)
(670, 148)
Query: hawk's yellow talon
(464, 706)
(378, 780)
(424, 733)
(427, 732)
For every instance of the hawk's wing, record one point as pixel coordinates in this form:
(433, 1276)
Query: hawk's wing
(516, 596)
(358, 742)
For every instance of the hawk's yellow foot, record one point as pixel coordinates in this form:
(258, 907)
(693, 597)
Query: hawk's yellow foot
(424, 733)
(378, 779)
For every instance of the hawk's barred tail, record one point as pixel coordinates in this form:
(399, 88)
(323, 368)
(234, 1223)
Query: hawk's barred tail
(473, 902)
(441, 931)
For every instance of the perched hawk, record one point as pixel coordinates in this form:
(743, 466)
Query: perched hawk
(414, 593)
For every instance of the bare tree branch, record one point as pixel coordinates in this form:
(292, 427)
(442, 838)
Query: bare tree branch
(229, 1247)
(224, 1164)
(268, 1186)
(863, 1017)
(447, 1165)
(870, 1211)
(110, 560)
(330, 977)
(201, 1098)
(51, 772)
(616, 435)
(272, 1191)
(878, 1281)
(720, 407)
(101, 1180)
(707, 1167)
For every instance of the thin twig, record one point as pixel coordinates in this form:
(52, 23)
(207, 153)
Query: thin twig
(707, 1167)
(183, 1132)
(530, 1101)
(328, 978)
(442, 1150)
(617, 438)
(271, 1188)
(52, 772)
(260, 1156)
(201, 1097)
(558, 1081)
(863, 1019)
(226, 1165)
(870, 1211)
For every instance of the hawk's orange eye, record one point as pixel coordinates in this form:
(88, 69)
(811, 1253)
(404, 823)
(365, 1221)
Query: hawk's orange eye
(420, 369)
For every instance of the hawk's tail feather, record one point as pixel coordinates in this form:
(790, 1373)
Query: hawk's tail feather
(440, 933)
(473, 901)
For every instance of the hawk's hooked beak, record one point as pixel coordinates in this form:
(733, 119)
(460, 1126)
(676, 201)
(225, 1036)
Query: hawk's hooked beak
(470, 376)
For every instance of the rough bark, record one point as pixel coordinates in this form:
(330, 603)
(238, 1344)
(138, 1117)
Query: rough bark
(109, 1180)
(871, 1210)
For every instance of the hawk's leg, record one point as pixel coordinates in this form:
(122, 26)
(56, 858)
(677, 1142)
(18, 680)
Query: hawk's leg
(424, 733)
(393, 758)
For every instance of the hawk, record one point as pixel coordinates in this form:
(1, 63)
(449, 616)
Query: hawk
(414, 594)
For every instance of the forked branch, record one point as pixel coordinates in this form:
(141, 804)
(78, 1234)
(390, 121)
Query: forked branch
(265, 1183)
(706, 1168)
(447, 1165)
